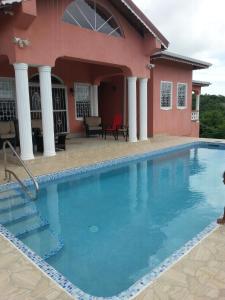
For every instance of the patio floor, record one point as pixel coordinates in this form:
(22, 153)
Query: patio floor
(198, 275)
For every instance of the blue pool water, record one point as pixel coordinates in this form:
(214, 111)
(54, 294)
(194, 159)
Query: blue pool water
(106, 229)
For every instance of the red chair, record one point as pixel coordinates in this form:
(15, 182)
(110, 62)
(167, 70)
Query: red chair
(113, 129)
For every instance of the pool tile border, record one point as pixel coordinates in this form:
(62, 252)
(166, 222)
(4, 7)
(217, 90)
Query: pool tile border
(145, 281)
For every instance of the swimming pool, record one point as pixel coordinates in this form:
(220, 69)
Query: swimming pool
(107, 228)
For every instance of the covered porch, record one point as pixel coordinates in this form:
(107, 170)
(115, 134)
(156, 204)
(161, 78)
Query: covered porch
(56, 100)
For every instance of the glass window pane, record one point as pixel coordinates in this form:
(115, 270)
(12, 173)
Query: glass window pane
(88, 14)
(166, 94)
(83, 100)
(181, 94)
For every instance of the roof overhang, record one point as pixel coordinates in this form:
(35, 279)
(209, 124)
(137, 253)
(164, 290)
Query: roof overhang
(3, 2)
(201, 83)
(132, 13)
(170, 56)
(138, 19)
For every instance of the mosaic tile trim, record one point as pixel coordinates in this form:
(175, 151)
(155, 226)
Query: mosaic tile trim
(147, 279)
(106, 164)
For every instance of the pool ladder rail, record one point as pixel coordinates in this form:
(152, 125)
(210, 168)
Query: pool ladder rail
(9, 173)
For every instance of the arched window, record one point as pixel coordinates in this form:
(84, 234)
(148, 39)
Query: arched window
(55, 79)
(89, 14)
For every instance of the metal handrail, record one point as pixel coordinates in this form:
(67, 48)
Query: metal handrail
(8, 172)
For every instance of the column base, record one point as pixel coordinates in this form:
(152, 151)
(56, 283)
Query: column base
(48, 154)
(143, 139)
(27, 157)
(133, 140)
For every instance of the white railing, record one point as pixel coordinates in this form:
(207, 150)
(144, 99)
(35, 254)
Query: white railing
(195, 115)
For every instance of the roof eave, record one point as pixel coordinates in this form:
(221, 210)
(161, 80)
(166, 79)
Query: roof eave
(201, 83)
(195, 65)
(146, 22)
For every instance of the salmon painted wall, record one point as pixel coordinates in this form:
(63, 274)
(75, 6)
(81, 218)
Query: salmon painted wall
(174, 121)
(49, 35)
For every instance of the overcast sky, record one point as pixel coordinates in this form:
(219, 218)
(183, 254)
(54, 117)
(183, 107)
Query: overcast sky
(194, 28)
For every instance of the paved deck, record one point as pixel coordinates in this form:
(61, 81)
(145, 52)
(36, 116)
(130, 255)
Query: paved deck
(82, 151)
(199, 275)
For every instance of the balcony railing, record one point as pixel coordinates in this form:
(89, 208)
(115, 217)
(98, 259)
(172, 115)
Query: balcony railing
(195, 116)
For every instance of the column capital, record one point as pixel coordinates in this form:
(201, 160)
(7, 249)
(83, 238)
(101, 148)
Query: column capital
(132, 78)
(143, 79)
(20, 66)
(46, 69)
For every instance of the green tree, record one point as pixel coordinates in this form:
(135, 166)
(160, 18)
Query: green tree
(212, 116)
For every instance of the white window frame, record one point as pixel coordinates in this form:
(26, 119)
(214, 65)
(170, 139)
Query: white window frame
(171, 95)
(186, 86)
(11, 81)
(75, 100)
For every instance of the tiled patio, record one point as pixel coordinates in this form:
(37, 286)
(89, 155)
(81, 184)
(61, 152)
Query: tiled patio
(198, 275)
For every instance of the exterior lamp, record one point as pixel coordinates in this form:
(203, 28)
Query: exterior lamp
(21, 42)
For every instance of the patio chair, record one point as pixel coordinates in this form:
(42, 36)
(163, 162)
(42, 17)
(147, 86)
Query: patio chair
(7, 132)
(113, 129)
(60, 142)
(93, 126)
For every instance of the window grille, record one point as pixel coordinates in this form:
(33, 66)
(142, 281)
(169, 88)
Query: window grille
(89, 14)
(181, 94)
(166, 94)
(59, 106)
(83, 102)
(7, 99)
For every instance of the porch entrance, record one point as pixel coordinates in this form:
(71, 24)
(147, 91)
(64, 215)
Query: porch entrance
(59, 98)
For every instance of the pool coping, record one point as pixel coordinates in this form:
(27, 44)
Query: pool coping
(146, 280)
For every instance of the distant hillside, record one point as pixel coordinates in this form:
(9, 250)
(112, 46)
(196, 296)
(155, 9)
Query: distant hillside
(212, 116)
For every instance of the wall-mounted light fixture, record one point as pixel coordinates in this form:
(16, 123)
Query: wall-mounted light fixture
(21, 42)
(150, 66)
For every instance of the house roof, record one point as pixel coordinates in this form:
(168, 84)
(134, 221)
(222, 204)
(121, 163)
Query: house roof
(132, 13)
(201, 83)
(9, 1)
(170, 56)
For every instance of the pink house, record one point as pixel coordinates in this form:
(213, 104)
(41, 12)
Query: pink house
(63, 60)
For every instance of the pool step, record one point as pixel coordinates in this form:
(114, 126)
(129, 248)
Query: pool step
(27, 225)
(18, 213)
(12, 203)
(43, 242)
(8, 194)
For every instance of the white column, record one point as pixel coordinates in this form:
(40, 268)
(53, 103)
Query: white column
(95, 100)
(23, 109)
(143, 109)
(132, 108)
(92, 100)
(198, 104)
(125, 102)
(47, 110)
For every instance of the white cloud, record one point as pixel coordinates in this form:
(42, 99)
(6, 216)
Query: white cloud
(195, 29)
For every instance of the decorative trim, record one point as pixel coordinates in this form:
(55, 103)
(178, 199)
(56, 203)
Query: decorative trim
(145, 281)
